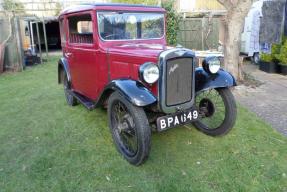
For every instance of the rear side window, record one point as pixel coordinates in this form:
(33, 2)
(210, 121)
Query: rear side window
(81, 29)
(62, 31)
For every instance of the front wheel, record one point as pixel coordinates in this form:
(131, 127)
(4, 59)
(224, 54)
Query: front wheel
(130, 129)
(218, 111)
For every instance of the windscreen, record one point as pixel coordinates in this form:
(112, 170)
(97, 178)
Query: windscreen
(129, 26)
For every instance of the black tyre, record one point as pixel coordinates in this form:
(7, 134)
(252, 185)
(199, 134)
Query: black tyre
(130, 129)
(255, 59)
(218, 111)
(71, 100)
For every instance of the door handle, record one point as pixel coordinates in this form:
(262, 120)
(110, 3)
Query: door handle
(68, 54)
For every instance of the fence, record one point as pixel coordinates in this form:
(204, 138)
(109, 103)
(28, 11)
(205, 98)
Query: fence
(199, 33)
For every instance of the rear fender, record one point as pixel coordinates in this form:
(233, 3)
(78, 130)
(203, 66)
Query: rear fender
(205, 81)
(63, 66)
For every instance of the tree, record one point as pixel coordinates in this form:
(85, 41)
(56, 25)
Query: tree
(234, 21)
(58, 8)
(12, 5)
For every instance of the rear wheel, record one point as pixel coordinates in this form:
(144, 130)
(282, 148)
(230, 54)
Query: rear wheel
(217, 108)
(71, 100)
(130, 129)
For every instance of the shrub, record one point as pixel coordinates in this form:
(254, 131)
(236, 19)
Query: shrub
(266, 57)
(275, 51)
(274, 56)
(172, 22)
(282, 55)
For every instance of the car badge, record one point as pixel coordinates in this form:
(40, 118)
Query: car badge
(173, 68)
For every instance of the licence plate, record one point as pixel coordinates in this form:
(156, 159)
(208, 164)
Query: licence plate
(176, 119)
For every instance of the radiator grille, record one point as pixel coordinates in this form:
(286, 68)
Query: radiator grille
(179, 81)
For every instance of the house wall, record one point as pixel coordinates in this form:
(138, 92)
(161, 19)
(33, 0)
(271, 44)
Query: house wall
(46, 8)
(199, 6)
(202, 5)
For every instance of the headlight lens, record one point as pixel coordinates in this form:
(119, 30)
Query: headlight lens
(211, 64)
(149, 72)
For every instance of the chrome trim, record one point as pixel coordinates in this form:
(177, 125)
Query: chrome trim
(163, 57)
(141, 71)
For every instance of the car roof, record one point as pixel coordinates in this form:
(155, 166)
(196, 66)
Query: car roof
(111, 7)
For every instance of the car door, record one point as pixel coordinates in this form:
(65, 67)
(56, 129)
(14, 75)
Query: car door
(81, 54)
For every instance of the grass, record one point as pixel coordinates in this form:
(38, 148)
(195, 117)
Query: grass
(47, 146)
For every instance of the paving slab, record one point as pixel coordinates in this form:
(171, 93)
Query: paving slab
(269, 100)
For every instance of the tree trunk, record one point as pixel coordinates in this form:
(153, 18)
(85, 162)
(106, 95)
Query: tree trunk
(234, 22)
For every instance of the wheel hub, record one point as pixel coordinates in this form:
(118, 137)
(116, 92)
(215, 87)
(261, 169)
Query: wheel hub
(206, 106)
(126, 124)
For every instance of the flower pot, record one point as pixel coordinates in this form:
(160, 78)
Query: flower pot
(283, 69)
(268, 67)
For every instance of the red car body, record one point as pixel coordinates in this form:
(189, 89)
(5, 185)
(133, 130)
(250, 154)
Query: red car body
(117, 56)
(89, 63)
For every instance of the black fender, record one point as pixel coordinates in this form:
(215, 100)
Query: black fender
(134, 91)
(63, 66)
(205, 81)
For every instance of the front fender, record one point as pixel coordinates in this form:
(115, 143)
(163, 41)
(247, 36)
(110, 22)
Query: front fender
(134, 91)
(205, 81)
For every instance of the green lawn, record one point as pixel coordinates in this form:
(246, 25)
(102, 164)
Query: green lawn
(46, 145)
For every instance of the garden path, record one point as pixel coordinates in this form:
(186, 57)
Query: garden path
(269, 100)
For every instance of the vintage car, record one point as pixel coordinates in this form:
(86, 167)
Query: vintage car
(116, 56)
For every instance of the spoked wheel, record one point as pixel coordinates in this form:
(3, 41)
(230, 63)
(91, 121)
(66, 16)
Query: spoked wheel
(218, 111)
(71, 100)
(130, 129)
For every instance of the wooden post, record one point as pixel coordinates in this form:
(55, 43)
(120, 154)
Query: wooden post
(202, 33)
(45, 37)
(39, 41)
(20, 52)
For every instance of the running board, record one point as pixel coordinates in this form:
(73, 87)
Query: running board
(88, 103)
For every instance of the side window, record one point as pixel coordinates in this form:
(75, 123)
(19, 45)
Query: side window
(81, 29)
(62, 31)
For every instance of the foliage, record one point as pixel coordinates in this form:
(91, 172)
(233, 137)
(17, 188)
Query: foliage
(145, 2)
(281, 54)
(266, 57)
(172, 21)
(275, 50)
(46, 145)
(273, 57)
(12, 5)
(58, 8)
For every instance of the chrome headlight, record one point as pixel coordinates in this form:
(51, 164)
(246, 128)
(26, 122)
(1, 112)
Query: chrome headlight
(211, 64)
(149, 72)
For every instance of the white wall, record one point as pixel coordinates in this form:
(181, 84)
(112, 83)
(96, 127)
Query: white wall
(186, 5)
(45, 8)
